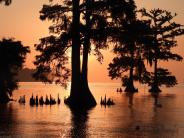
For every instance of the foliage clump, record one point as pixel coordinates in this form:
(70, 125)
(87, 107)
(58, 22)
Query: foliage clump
(12, 57)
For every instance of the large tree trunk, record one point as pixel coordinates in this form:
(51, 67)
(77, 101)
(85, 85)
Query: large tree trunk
(80, 94)
(154, 86)
(84, 74)
(85, 88)
(75, 80)
(84, 77)
(86, 47)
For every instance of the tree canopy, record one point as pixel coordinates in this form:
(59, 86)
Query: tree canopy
(130, 41)
(164, 33)
(150, 39)
(12, 57)
(77, 25)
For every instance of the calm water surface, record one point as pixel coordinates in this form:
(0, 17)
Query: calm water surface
(120, 120)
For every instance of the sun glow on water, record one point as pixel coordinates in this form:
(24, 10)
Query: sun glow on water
(117, 121)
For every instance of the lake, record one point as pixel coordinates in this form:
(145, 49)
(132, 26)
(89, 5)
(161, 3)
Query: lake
(132, 116)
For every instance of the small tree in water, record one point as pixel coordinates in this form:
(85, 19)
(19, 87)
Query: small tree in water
(12, 57)
(131, 38)
(164, 32)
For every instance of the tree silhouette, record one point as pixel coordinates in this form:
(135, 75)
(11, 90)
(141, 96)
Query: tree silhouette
(12, 57)
(71, 31)
(128, 65)
(6, 2)
(164, 32)
(96, 21)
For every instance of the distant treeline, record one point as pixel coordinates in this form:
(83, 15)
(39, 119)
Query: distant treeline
(25, 75)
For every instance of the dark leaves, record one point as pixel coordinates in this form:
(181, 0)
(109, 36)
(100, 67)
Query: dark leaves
(12, 57)
(52, 62)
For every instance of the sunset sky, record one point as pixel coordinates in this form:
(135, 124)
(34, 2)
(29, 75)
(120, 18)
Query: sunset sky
(21, 21)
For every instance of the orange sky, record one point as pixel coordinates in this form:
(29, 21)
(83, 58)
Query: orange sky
(21, 21)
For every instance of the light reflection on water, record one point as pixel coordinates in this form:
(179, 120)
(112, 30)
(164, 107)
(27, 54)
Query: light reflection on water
(120, 120)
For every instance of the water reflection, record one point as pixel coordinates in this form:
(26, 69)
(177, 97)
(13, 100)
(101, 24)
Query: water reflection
(155, 95)
(133, 115)
(79, 121)
(8, 123)
(130, 95)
